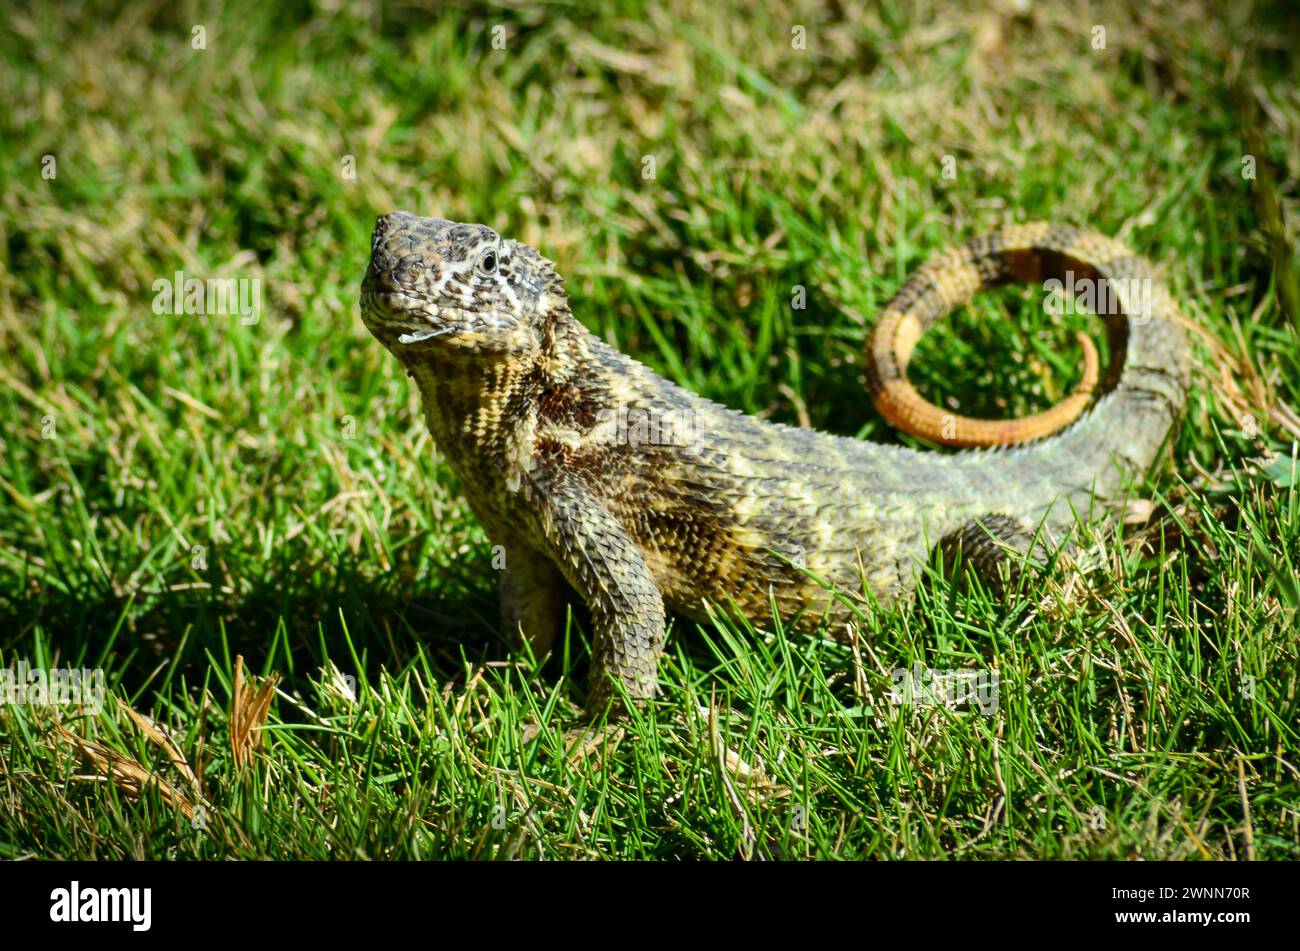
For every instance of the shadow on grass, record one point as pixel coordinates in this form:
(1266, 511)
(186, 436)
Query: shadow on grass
(291, 622)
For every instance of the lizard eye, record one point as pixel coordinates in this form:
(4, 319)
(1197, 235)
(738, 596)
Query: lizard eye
(488, 262)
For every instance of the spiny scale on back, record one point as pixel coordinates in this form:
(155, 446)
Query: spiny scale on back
(593, 471)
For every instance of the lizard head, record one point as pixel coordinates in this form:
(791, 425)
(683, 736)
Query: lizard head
(434, 283)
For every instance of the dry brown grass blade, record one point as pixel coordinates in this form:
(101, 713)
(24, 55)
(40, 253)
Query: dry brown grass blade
(1238, 388)
(154, 732)
(125, 773)
(249, 708)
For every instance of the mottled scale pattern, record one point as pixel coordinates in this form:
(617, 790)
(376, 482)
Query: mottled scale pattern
(601, 479)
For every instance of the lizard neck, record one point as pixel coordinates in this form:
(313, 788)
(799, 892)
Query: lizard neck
(487, 413)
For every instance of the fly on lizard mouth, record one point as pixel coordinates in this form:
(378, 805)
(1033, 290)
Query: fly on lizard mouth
(422, 335)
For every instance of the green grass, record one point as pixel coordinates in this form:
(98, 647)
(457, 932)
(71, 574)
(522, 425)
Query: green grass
(213, 489)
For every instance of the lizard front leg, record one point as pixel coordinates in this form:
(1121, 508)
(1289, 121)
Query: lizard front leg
(603, 564)
(532, 599)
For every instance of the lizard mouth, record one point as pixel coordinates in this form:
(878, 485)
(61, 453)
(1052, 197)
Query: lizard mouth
(398, 318)
(392, 314)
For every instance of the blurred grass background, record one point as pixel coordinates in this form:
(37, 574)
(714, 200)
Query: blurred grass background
(177, 491)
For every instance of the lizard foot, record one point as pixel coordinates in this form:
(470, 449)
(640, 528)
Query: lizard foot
(1000, 550)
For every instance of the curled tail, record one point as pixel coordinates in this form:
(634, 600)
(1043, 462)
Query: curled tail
(1144, 386)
